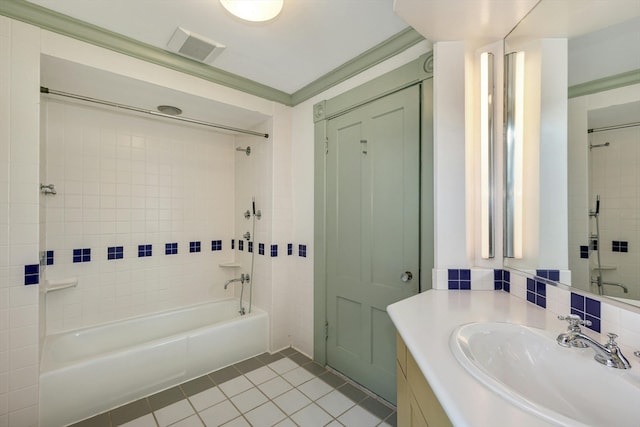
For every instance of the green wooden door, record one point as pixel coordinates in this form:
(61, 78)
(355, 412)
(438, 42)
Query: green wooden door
(372, 206)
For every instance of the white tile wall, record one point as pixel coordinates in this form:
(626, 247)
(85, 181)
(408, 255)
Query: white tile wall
(19, 163)
(126, 181)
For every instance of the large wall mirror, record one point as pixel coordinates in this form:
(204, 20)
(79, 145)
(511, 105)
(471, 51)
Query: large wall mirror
(586, 222)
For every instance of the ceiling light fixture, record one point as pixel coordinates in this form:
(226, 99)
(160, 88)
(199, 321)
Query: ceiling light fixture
(254, 10)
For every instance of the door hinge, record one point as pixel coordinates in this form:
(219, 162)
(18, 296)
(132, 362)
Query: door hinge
(326, 330)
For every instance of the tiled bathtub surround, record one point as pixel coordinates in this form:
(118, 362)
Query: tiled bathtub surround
(281, 389)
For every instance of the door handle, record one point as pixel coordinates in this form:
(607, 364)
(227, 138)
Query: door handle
(406, 276)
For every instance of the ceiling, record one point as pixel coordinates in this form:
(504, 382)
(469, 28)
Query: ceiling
(307, 40)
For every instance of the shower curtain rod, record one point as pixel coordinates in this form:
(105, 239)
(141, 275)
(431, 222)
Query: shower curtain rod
(605, 128)
(151, 112)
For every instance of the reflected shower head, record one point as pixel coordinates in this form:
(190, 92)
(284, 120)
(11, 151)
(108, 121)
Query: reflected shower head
(246, 150)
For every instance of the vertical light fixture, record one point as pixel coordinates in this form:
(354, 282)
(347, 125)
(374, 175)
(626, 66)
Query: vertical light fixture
(254, 10)
(486, 155)
(514, 146)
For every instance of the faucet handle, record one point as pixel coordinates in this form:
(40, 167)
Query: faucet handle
(575, 321)
(612, 340)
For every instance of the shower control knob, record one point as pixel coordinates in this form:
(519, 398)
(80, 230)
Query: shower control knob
(406, 276)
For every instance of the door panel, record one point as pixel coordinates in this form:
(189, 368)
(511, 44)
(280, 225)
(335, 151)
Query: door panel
(372, 233)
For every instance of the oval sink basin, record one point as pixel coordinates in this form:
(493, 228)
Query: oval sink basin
(565, 386)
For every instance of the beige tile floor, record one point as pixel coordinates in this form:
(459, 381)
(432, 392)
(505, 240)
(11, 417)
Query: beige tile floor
(281, 389)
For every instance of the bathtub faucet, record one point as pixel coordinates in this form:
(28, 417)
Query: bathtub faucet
(242, 279)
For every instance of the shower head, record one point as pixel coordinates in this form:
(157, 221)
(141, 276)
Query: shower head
(246, 150)
(606, 144)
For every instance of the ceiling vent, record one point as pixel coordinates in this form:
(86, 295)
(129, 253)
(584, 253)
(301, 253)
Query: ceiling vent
(194, 46)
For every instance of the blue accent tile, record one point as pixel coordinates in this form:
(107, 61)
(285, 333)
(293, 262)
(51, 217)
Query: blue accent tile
(465, 284)
(241, 245)
(454, 274)
(577, 312)
(541, 301)
(144, 250)
(289, 248)
(171, 249)
(302, 251)
(595, 323)
(624, 246)
(507, 276)
(541, 273)
(584, 252)
(260, 248)
(274, 250)
(577, 301)
(592, 307)
(497, 274)
(86, 255)
(195, 247)
(250, 246)
(594, 245)
(454, 284)
(507, 287)
(115, 252)
(49, 258)
(541, 289)
(465, 274)
(554, 275)
(498, 285)
(531, 285)
(77, 255)
(531, 297)
(233, 243)
(31, 274)
(216, 245)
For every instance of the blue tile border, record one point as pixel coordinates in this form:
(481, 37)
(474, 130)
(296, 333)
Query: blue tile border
(250, 247)
(302, 251)
(240, 245)
(584, 251)
(260, 248)
(49, 257)
(289, 249)
(619, 246)
(274, 250)
(216, 245)
(549, 274)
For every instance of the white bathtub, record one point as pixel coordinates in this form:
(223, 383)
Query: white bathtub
(90, 371)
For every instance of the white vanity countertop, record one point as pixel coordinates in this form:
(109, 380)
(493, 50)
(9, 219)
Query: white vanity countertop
(426, 321)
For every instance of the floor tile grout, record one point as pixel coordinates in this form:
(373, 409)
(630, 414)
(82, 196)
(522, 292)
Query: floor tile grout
(283, 368)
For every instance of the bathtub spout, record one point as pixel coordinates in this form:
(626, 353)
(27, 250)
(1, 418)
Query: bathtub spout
(242, 279)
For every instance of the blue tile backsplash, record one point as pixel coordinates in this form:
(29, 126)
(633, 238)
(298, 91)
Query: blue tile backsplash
(459, 278)
(502, 280)
(537, 292)
(588, 309)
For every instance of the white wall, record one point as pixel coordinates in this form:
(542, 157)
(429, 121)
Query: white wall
(19, 152)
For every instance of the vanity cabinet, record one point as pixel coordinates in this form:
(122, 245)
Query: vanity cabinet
(418, 406)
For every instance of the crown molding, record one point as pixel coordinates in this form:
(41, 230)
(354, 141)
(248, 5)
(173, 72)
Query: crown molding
(379, 53)
(47, 19)
(605, 83)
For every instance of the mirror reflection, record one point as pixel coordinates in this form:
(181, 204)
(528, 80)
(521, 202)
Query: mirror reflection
(603, 76)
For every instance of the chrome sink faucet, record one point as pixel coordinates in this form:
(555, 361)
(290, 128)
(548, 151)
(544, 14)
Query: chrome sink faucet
(608, 354)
